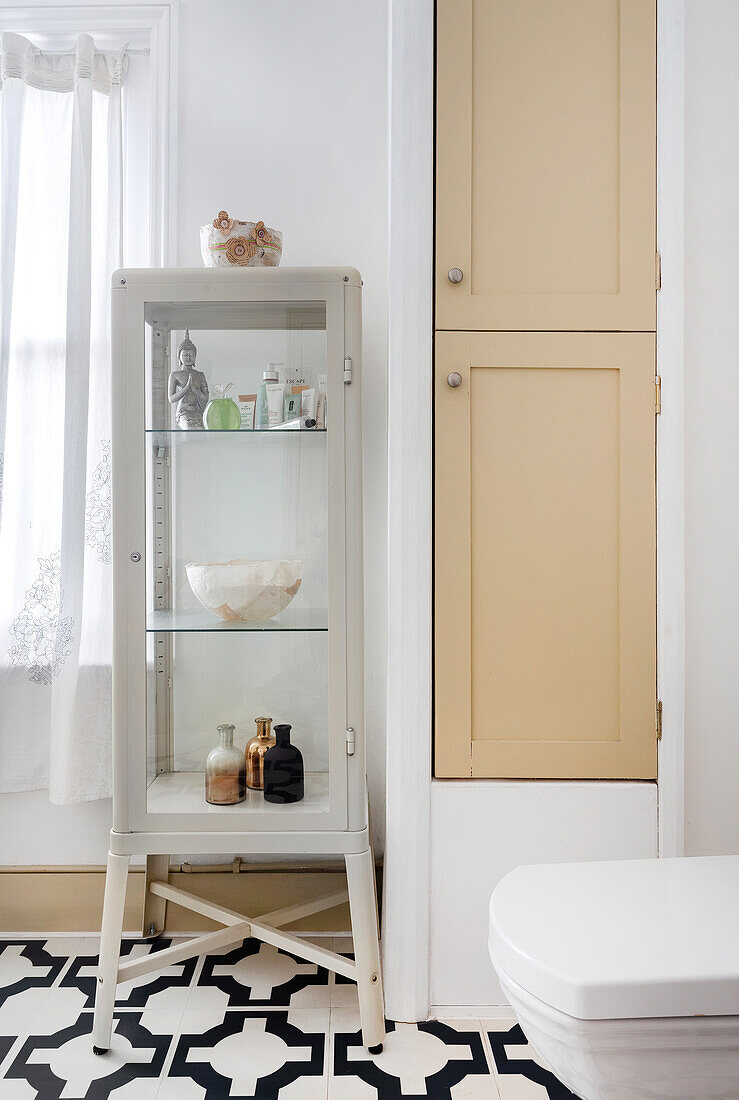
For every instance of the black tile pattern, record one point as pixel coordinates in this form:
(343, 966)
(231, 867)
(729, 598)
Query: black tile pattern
(29, 1067)
(140, 994)
(39, 1056)
(49, 967)
(438, 1085)
(217, 1085)
(524, 1067)
(240, 995)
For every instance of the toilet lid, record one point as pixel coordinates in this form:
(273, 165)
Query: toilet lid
(642, 938)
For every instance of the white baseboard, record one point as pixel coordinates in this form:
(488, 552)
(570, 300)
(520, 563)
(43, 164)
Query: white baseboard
(474, 1012)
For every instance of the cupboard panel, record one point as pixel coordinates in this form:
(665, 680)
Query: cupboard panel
(546, 625)
(546, 138)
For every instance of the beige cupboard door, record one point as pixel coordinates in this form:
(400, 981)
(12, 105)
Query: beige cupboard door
(545, 165)
(545, 593)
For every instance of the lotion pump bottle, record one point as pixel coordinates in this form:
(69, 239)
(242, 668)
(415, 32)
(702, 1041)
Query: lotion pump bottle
(262, 413)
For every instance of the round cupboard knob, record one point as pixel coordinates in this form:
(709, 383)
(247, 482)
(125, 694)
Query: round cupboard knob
(454, 379)
(455, 275)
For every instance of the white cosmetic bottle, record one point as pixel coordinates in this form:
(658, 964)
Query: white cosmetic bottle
(269, 377)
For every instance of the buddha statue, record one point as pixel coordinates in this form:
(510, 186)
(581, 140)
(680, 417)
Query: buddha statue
(188, 388)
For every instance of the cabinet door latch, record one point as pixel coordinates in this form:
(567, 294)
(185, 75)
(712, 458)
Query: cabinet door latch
(350, 741)
(347, 370)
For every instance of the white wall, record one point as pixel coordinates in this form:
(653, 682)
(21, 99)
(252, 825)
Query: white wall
(481, 830)
(283, 117)
(712, 426)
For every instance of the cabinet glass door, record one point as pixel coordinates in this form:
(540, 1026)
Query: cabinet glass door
(237, 547)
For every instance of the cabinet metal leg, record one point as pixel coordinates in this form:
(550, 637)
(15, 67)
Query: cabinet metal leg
(110, 948)
(360, 875)
(155, 908)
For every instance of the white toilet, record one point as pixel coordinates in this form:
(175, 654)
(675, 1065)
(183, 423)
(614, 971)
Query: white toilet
(625, 976)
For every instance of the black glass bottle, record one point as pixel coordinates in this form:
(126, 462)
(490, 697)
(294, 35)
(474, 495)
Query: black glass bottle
(283, 769)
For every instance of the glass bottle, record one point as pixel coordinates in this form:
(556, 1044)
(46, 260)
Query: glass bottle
(255, 752)
(222, 413)
(225, 771)
(283, 769)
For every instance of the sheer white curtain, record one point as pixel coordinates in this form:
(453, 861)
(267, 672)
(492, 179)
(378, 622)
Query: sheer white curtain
(60, 239)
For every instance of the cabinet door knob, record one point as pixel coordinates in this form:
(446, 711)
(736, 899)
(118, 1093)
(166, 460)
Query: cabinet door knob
(454, 379)
(455, 275)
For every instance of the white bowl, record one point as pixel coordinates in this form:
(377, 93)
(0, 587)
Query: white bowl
(245, 590)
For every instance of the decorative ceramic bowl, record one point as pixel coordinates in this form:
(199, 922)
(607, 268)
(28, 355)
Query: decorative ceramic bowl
(245, 590)
(228, 242)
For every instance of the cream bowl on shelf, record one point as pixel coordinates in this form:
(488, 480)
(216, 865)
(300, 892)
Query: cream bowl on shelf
(245, 590)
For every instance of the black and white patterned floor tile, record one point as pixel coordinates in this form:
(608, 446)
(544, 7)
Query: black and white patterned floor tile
(515, 1062)
(250, 1023)
(29, 970)
(166, 988)
(60, 1065)
(252, 1055)
(259, 976)
(428, 1061)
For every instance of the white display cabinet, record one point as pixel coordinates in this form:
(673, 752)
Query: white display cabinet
(184, 496)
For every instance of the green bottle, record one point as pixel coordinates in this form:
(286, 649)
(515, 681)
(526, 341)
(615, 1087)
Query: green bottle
(221, 412)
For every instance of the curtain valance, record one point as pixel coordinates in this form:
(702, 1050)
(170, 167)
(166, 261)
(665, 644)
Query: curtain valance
(57, 72)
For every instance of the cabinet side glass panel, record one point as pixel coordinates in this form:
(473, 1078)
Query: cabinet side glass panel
(237, 526)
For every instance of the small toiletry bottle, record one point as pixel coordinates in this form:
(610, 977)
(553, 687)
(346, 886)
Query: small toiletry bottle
(225, 771)
(283, 770)
(255, 752)
(270, 375)
(222, 413)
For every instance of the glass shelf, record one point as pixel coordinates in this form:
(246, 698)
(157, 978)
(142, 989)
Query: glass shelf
(183, 792)
(297, 618)
(278, 430)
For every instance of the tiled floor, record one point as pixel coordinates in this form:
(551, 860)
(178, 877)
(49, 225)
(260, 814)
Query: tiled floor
(247, 1024)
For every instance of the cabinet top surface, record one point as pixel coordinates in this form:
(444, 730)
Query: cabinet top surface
(230, 276)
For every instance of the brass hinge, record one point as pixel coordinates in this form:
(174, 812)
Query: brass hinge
(657, 394)
(658, 271)
(659, 719)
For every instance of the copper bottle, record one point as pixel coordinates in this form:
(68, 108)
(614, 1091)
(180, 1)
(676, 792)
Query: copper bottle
(255, 751)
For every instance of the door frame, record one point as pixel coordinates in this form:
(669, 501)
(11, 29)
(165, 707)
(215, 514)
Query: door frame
(410, 466)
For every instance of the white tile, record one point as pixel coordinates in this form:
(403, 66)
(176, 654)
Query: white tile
(499, 1023)
(62, 1002)
(209, 1000)
(18, 1012)
(513, 1087)
(345, 1019)
(350, 1088)
(17, 1090)
(344, 996)
(306, 1088)
(180, 1088)
(477, 1087)
(309, 1019)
